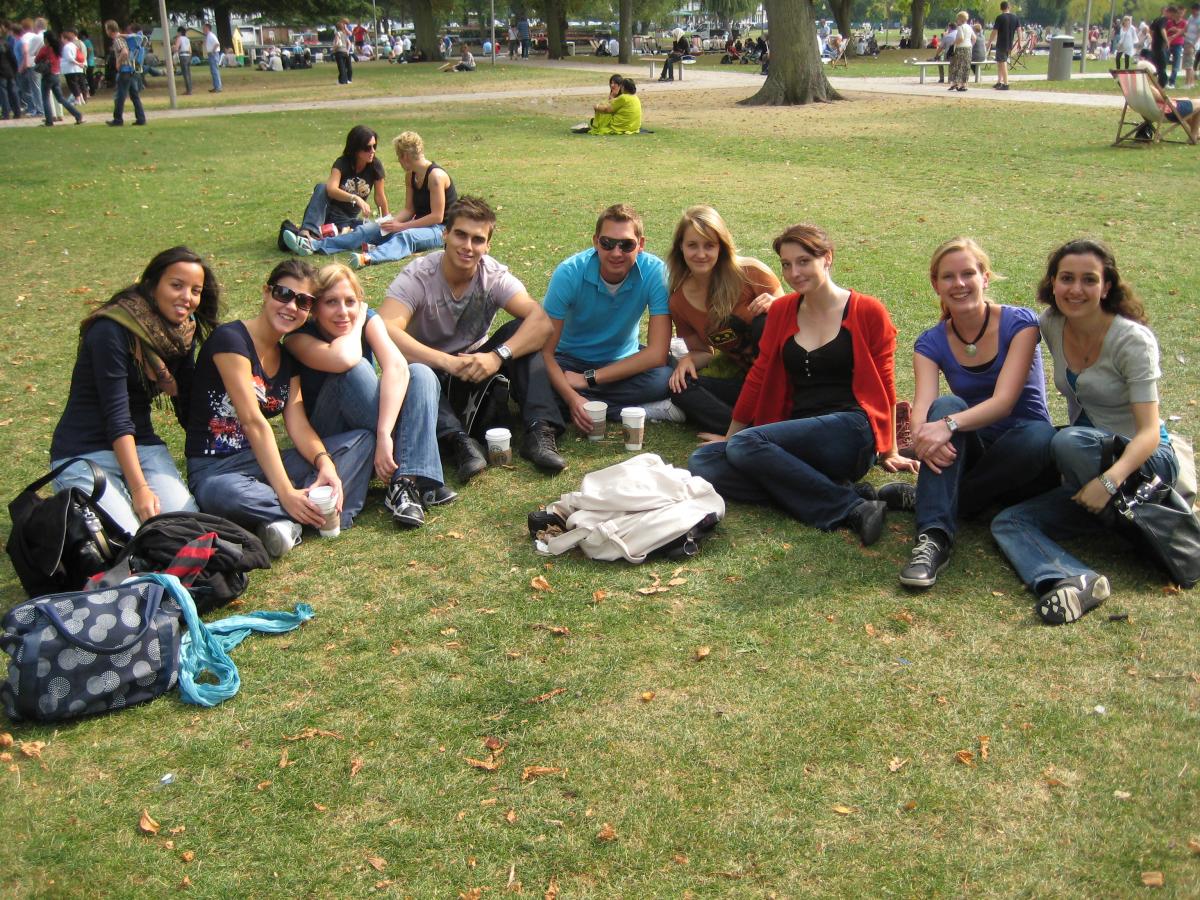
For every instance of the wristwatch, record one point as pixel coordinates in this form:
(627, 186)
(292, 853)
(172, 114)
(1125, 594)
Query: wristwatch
(590, 375)
(503, 352)
(951, 424)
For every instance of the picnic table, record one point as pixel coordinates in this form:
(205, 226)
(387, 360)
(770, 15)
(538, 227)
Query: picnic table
(944, 64)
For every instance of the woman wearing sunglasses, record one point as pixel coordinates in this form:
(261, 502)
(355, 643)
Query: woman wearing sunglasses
(817, 407)
(342, 199)
(244, 377)
(719, 302)
(137, 346)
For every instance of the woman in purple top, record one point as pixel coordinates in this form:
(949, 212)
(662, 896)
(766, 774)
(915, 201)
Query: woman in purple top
(989, 437)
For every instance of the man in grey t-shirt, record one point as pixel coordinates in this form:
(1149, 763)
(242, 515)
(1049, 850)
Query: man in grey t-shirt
(439, 311)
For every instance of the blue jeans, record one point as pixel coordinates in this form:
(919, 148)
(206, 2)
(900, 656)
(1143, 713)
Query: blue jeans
(9, 100)
(30, 83)
(157, 466)
(127, 86)
(708, 401)
(644, 387)
(320, 210)
(185, 69)
(804, 465)
(351, 400)
(1176, 59)
(984, 470)
(1024, 531)
(236, 488)
(389, 247)
(213, 67)
(52, 84)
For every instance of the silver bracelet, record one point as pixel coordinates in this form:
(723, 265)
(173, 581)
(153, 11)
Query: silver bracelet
(1108, 484)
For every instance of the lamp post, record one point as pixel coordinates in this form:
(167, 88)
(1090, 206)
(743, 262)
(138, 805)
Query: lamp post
(168, 62)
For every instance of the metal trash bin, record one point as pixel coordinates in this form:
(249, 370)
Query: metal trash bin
(1062, 51)
(570, 48)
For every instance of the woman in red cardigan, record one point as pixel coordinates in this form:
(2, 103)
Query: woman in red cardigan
(817, 408)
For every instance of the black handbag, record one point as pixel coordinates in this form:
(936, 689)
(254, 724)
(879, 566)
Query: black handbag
(1156, 518)
(56, 544)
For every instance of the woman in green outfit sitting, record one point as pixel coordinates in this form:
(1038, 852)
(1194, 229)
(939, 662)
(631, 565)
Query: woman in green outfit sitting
(621, 114)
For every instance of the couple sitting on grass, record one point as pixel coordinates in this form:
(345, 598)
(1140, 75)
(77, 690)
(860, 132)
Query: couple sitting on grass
(797, 405)
(310, 355)
(621, 113)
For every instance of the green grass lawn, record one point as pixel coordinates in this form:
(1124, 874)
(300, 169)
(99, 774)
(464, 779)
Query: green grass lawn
(763, 770)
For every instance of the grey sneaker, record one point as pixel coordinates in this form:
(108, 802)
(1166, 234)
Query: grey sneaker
(663, 411)
(403, 501)
(297, 244)
(1070, 598)
(925, 562)
(279, 536)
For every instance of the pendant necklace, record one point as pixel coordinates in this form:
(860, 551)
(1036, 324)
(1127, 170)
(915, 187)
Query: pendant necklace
(972, 347)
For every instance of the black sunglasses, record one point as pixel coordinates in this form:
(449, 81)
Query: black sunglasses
(625, 245)
(285, 295)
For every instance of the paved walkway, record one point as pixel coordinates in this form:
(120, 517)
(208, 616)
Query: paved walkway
(741, 79)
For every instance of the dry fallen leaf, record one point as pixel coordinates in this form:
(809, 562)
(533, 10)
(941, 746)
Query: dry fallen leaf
(904, 616)
(146, 823)
(378, 863)
(542, 698)
(185, 884)
(284, 762)
(262, 785)
(1122, 795)
(386, 883)
(319, 807)
(187, 855)
(606, 833)
(531, 772)
(676, 582)
(556, 630)
(647, 696)
(896, 764)
(168, 845)
(598, 596)
(311, 733)
(460, 815)
(679, 859)
(909, 806)
(1194, 845)
(493, 743)
(510, 817)
(178, 829)
(702, 653)
(31, 749)
(356, 765)
(966, 757)
(1153, 879)
(471, 894)
(842, 810)
(540, 583)
(6, 740)
(490, 801)
(6, 757)
(984, 747)
(870, 630)
(491, 764)
(551, 889)
(454, 534)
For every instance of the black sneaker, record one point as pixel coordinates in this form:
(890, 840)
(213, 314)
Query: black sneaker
(438, 496)
(925, 562)
(469, 460)
(865, 489)
(1070, 598)
(899, 496)
(866, 520)
(540, 447)
(404, 503)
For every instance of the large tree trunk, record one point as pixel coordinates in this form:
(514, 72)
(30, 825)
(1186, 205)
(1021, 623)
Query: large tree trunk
(425, 25)
(796, 76)
(626, 29)
(916, 40)
(555, 14)
(841, 15)
(223, 24)
(118, 11)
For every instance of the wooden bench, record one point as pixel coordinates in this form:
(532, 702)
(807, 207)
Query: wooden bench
(656, 67)
(945, 64)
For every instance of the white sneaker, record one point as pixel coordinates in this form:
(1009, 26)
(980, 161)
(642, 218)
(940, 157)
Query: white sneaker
(663, 411)
(279, 536)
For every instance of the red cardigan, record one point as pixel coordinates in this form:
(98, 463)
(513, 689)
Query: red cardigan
(766, 396)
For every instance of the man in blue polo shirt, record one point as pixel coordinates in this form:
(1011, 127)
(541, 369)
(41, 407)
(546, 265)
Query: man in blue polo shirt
(595, 303)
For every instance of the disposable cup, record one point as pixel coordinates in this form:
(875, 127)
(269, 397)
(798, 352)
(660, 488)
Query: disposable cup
(598, 410)
(633, 423)
(326, 501)
(499, 446)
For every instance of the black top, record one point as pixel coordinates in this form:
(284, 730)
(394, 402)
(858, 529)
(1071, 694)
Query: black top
(421, 193)
(108, 399)
(213, 428)
(312, 380)
(822, 379)
(358, 183)
(1006, 26)
(1158, 34)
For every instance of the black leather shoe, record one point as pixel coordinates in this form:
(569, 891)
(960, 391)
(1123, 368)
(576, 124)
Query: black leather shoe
(867, 521)
(540, 447)
(469, 460)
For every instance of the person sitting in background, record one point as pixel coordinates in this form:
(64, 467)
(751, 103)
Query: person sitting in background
(341, 200)
(620, 115)
(466, 62)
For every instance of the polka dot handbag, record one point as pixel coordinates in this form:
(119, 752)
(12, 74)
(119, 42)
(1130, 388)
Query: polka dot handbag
(86, 652)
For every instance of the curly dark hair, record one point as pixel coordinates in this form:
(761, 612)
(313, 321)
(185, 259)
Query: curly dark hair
(1120, 299)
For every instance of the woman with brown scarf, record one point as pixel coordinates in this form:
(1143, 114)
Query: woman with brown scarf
(139, 345)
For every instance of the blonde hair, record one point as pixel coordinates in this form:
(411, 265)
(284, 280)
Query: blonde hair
(727, 280)
(962, 17)
(408, 142)
(331, 274)
(955, 245)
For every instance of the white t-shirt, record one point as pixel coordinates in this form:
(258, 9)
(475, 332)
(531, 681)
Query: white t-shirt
(211, 44)
(69, 63)
(183, 47)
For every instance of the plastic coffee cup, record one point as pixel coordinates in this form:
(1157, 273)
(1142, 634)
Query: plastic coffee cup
(499, 446)
(633, 423)
(598, 410)
(329, 230)
(326, 501)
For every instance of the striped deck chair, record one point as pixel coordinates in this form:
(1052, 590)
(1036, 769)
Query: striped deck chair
(1147, 117)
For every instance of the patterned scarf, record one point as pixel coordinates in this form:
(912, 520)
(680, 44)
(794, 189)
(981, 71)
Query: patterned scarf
(156, 344)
